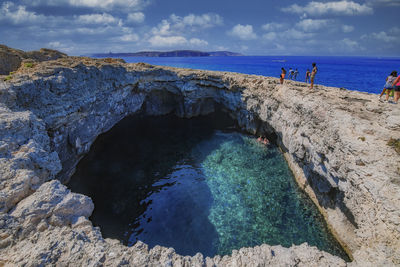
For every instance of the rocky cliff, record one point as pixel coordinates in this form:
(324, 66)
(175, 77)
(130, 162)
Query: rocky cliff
(336, 142)
(12, 59)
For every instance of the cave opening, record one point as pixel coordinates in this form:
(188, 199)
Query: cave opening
(197, 185)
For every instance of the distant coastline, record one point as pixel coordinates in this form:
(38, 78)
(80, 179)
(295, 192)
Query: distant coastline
(175, 53)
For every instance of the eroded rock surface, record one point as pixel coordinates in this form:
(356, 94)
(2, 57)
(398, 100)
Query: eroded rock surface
(11, 59)
(334, 140)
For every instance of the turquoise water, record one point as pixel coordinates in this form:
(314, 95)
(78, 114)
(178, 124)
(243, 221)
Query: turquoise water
(197, 186)
(366, 74)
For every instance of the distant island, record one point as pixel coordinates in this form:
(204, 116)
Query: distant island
(175, 53)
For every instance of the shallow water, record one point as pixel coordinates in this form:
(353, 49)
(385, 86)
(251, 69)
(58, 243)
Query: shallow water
(190, 185)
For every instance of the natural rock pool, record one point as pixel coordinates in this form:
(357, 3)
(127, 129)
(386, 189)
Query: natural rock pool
(196, 185)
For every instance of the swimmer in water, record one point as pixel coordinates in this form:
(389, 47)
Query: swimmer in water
(263, 140)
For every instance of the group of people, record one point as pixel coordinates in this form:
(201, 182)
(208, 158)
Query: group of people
(392, 87)
(310, 76)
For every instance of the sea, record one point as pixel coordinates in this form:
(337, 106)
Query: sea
(365, 74)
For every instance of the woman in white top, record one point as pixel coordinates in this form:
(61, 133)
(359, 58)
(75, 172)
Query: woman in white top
(388, 87)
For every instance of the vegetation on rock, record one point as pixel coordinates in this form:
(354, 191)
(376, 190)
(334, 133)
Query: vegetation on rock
(395, 143)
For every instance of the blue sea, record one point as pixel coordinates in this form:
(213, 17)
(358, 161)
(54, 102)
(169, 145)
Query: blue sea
(366, 74)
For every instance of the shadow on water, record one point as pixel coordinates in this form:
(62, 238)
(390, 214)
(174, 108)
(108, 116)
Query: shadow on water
(128, 171)
(195, 185)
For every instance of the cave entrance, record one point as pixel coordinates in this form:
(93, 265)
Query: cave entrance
(197, 185)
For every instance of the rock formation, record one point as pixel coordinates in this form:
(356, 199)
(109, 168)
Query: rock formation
(11, 59)
(334, 140)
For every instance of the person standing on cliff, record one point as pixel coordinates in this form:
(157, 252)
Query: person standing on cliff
(283, 75)
(313, 72)
(387, 88)
(396, 85)
(296, 72)
(308, 74)
(290, 73)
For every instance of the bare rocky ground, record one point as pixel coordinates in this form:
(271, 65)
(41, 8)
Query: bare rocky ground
(335, 140)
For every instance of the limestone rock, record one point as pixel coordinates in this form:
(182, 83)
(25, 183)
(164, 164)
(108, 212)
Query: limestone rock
(51, 114)
(52, 203)
(11, 59)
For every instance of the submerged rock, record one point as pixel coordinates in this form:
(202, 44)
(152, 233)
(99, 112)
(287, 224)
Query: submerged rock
(51, 113)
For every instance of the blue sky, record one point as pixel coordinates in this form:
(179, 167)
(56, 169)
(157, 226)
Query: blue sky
(251, 27)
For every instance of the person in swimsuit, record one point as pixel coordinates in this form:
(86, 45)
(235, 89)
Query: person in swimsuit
(308, 74)
(263, 140)
(283, 75)
(313, 72)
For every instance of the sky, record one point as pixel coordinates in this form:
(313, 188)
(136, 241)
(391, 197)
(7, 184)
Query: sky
(251, 27)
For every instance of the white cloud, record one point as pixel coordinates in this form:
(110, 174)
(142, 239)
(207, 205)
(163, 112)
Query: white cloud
(167, 41)
(295, 34)
(54, 45)
(310, 25)
(221, 48)
(163, 28)
(66, 48)
(273, 26)
(270, 36)
(123, 5)
(298, 35)
(345, 8)
(129, 37)
(204, 21)
(137, 17)
(349, 45)
(17, 14)
(177, 25)
(90, 30)
(395, 31)
(347, 28)
(198, 42)
(383, 36)
(97, 19)
(176, 41)
(384, 2)
(243, 32)
(390, 37)
(105, 3)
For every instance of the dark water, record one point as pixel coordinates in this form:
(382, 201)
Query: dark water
(190, 185)
(366, 74)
